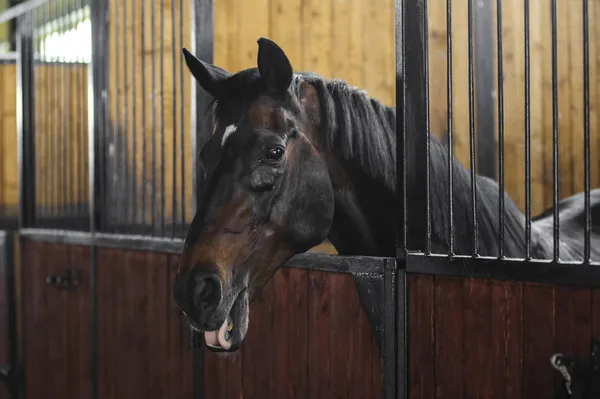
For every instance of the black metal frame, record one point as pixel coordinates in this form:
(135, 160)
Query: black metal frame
(9, 375)
(387, 313)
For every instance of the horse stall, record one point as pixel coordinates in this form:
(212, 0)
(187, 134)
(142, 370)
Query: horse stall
(100, 178)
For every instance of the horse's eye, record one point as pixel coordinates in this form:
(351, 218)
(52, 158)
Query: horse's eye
(275, 154)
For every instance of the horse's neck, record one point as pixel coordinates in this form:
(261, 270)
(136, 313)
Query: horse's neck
(364, 218)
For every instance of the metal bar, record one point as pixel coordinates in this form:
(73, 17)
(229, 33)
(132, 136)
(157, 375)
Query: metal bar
(153, 115)
(42, 155)
(182, 120)
(20, 9)
(83, 173)
(472, 131)
(390, 377)
(586, 133)
(484, 86)
(427, 132)
(144, 99)
(450, 127)
(548, 272)
(134, 131)
(114, 143)
(202, 41)
(7, 281)
(502, 216)
(402, 337)
(162, 119)
(9, 56)
(401, 126)
(527, 135)
(174, 121)
(25, 123)
(124, 162)
(65, 155)
(556, 233)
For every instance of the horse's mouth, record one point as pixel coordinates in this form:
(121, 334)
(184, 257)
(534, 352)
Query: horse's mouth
(228, 337)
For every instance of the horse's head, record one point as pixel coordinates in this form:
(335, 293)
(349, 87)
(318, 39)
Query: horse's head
(266, 196)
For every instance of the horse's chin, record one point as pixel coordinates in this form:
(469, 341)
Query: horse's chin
(229, 336)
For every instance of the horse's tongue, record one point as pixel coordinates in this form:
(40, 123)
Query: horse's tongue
(217, 337)
(211, 338)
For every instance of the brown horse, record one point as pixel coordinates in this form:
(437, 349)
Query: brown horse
(294, 159)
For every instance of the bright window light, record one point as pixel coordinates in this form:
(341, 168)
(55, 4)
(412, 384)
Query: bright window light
(70, 45)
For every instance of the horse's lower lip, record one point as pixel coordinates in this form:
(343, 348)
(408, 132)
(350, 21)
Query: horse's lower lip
(223, 338)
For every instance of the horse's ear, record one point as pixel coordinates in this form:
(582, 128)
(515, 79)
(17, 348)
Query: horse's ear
(309, 98)
(208, 76)
(274, 66)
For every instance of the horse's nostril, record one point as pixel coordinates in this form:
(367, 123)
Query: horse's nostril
(205, 291)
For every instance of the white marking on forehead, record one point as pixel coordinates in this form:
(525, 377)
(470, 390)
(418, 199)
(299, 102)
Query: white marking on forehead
(228, 132)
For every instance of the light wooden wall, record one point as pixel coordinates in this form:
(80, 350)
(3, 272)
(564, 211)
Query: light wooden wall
(352, 40)
(570, 92)
(9, 179)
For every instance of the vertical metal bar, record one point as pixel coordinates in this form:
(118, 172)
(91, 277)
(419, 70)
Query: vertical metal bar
(390, 343)
(65, 131)
(43, 131)
(401, 126)
(25, 120)
(124, 162)
(144, 136)
(527, 136)
(586, 133)
(174, 121)
(153, 115)
(556, 234)
(450, 127)
(7, 287)
(83, 173)
(114, 143)
(162, 119)
(134, 131)
(427, 133)
(182, 121)
(202, 41)
(472, 131)
(502, 216)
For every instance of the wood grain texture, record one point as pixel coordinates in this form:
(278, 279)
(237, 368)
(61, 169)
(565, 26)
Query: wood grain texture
(308, 337)
(56, 323)
(141, 341)
(494, 338)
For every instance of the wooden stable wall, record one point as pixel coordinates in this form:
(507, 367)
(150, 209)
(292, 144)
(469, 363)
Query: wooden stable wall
(352, 40)
(308, 334)
(9, 178)
(570, 92)
(478, 338)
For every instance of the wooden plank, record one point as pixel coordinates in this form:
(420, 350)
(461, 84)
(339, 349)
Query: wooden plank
(317, 38)
(45, 317)
(78, 328)
(132, 301)
(506, 336)
(449, 337)
(9, 183)
(420, 337)
(596, 313)
(575, 74)
(319, 347)
(286, 29)
(594, 47)
(347, 28)
(180, 370)
(573, 321)
(477, 378)
(341, 335)
(565, 94)
(538, 340)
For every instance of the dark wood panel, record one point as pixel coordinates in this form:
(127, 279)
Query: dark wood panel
(308, 337)
(494, 338)
(476, 332)
(140, 333)
(505, 350)
(538, 340)
(449, 338)
(421, 339)
(46, 332)
(79, 323)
